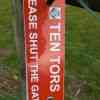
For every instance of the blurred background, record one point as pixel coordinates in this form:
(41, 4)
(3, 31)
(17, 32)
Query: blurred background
(82, 50)
(82, 44)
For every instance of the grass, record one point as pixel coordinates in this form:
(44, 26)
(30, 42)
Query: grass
(83, 53)
(8, 52)
(7, 98)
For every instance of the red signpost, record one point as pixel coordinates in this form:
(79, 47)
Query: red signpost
(44, 49)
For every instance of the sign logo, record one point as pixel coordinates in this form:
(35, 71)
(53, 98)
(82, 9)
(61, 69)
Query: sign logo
(55, 13)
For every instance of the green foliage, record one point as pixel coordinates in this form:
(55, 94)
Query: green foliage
(8, 52)
(83, 51)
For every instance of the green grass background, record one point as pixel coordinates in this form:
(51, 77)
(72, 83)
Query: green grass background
(82, 51)
(8, 53)
(7, 36)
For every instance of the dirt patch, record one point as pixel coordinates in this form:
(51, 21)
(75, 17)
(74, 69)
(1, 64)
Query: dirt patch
(8, 85)
(74, 88)
(4, 52)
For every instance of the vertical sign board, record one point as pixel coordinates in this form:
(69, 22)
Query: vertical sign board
(44, 49)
